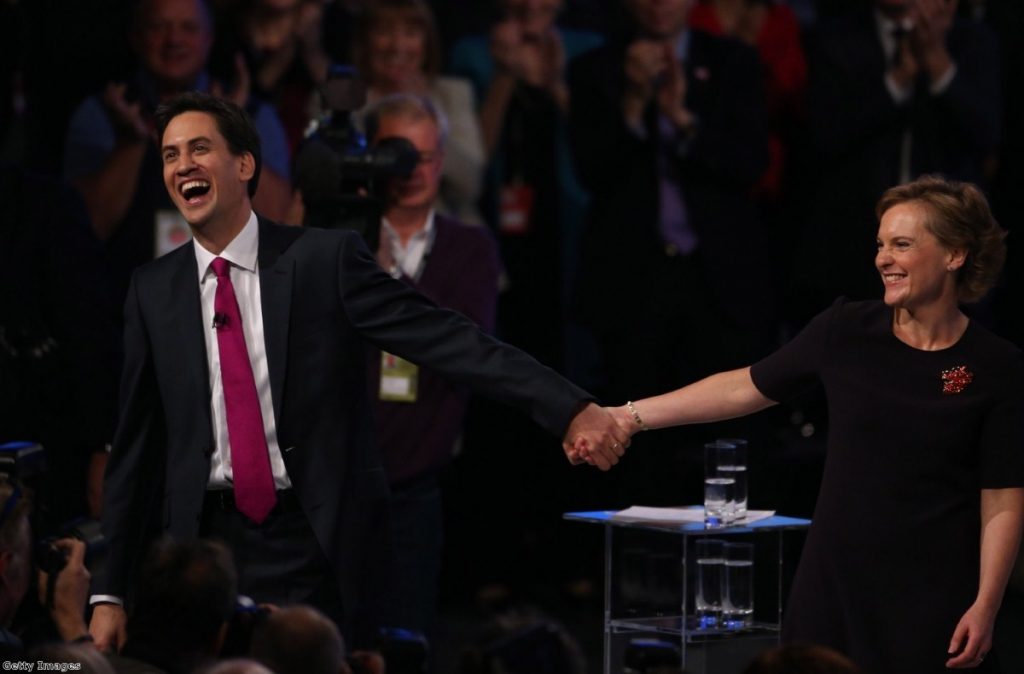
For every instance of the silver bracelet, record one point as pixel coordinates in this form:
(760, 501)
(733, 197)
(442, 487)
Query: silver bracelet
(636, 416)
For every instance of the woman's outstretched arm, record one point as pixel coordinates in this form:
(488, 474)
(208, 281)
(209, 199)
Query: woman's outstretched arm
(725, 395)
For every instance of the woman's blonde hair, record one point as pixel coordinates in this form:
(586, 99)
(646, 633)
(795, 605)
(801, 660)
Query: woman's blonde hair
(958, 215)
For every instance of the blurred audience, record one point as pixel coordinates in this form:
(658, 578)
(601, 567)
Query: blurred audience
(283, 43)
(898, 89)
(670, 134)
(65, 603)
(523, 642)
(58, 340)
(801, 659)
(396, 49)
(299, 640)
(770, 27)
(112, 157)
(418, 414)
(532, 195)
(85, 656)
(183, 606)
(241, 666)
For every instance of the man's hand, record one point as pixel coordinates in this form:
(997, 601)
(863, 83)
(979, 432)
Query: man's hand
(107, 627)
(71, 591)
(594, 437)
(239, 94)
(932, 22)
(129, 122)
(671, 92)
(645, 62)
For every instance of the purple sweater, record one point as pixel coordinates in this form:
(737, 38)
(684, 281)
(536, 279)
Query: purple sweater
(461, 273)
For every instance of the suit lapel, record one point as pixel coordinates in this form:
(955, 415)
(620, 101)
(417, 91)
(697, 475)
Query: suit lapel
(276, 271)
(185, 302)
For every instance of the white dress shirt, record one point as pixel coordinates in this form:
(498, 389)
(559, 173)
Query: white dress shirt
(245, 278)
(242, 254)
(410, 258)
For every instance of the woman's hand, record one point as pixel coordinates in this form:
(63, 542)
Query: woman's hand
(972, 638)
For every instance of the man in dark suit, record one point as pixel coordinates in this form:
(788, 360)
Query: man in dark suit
(897, 89)
(669, 131)
(244, 412)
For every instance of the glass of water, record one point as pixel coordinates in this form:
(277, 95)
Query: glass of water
(710, 582)
(738, 595)
(733, 463)
(719, 486)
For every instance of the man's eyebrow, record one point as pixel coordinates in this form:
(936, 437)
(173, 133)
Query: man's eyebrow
(191, 141)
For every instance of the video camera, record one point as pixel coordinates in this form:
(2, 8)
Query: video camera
(338, 174)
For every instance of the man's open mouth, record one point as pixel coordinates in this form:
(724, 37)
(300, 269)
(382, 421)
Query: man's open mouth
(193, 189)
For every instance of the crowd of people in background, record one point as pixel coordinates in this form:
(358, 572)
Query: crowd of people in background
(637, 192)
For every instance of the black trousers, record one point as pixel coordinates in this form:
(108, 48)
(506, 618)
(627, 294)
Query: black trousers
(279, 561)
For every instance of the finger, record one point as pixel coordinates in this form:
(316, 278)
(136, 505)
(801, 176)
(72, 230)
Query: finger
(601, 461)
(607, 456)
(75, 549)
(958, 636)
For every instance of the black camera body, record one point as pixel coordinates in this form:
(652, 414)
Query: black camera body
(339, 175)
(52, 560)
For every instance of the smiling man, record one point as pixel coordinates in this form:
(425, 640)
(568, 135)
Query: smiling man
(244, 412)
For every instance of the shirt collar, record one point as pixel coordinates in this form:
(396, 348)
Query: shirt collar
(241, 252)
(887, 25)
(392, 235)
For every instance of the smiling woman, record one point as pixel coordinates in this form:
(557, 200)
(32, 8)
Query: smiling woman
(921, 505)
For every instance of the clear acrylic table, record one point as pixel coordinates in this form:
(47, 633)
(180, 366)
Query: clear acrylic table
(649, 571)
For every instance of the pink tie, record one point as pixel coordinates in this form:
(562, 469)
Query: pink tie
(250, 460)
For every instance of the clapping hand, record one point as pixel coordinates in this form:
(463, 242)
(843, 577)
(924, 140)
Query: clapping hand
(128, 119)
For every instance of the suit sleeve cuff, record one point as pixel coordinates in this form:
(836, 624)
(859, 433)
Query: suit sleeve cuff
(105, 599)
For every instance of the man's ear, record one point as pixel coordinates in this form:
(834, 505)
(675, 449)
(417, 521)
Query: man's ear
(246, 167)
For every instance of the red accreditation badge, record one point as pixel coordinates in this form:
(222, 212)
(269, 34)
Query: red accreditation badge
(516, 209)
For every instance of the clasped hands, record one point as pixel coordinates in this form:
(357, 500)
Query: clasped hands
(598, 436)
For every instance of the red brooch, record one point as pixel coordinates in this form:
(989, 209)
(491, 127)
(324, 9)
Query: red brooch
(956, 379)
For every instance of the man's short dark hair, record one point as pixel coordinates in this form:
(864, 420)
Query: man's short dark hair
(299, 640)
(232, 121)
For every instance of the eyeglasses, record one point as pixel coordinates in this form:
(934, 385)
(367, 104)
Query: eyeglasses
(430, 156)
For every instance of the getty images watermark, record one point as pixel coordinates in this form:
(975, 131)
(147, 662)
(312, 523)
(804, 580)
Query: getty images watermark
(40, 666)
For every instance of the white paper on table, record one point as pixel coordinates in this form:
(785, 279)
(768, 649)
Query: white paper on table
(680, 515)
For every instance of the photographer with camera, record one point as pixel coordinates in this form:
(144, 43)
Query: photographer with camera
(419, 414)
(65, 602)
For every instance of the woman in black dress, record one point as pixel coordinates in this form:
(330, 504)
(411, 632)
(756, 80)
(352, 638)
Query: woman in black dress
(925, 447)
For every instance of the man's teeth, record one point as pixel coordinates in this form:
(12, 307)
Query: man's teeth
(192, 186)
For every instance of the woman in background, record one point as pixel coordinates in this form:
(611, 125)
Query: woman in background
(396, 49)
